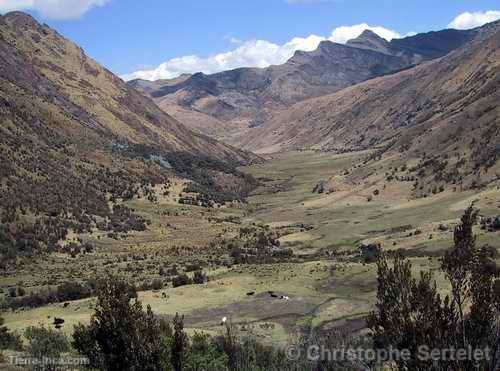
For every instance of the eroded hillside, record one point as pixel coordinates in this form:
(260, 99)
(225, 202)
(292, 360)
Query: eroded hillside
(248, 97)
(440, 120)
(76, 140)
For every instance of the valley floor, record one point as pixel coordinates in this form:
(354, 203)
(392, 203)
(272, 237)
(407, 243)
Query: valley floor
(327, 283)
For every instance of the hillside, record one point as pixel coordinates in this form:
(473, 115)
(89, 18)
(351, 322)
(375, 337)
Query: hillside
(74, 137)
(247, 97)
(441, 118)
(94, 96)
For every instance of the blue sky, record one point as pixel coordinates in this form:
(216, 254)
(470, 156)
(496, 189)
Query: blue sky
(131, 35)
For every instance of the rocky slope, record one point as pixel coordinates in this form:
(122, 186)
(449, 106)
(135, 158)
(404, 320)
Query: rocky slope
(38, 59)
(441, 118)
(73, 137)
(247, 97)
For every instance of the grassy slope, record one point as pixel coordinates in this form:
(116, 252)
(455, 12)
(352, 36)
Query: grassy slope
(318, 294)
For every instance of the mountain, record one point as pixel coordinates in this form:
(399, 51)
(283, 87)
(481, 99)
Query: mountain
(74, 137)
(247, 97)
(369, 40)
(441, 118)
(38, 59)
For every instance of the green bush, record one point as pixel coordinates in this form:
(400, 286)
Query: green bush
(181, 280)
(9, 340)
(45, 343)
(121, 335)
(199, 277)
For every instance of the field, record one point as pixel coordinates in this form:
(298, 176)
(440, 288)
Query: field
(325, 289)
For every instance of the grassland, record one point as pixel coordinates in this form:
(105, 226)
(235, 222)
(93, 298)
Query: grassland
(325, 290)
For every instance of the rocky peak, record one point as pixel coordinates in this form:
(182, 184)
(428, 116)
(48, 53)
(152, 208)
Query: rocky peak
(371, 41)
(20, 19)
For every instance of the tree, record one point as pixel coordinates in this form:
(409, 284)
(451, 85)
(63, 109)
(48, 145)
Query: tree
(179, 343)
(495, 359)
(181, 280)
(410, 313)
(205, 355)
(457, 264)
(199, 277)
(121, 335)
(45, 343)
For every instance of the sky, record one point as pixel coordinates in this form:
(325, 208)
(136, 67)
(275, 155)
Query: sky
(154, 39)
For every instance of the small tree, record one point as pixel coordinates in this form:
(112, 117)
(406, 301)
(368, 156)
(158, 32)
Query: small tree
(46, 343)
(199, 277)
(205, 355)
(181, 280)
(179, 343)
(457, 263)
(121, 336)
(410, 313)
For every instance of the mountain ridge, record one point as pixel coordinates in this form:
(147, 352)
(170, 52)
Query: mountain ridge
(70, 71)
(247, 97)
(443, 113)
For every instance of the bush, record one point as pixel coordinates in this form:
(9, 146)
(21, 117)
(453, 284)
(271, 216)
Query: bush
(411, 313)
(67, 291)
(9, 340)
(12, 292)
(121, 335)
(204, 354)
(155, 284)
(21, 291)
(199, 277)
(193, 267)
(181, 280)
(45, 342)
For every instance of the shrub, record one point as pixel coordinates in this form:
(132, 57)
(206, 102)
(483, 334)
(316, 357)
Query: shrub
(65, 292)
(45, 342)
(411, 312)
(181, 280)
(12, 292)
(191, 267)
(204, 354)
(199, 277)
(155, 284)
(121, 335)
(9, 340)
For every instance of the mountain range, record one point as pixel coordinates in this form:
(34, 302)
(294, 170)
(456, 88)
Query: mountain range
(429, 100)
(441, 116)
(74, 136)
(248, 97)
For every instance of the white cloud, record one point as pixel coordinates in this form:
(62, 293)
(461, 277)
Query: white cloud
(53, 9)
(470, 20)
(232, 40)
(253, 53)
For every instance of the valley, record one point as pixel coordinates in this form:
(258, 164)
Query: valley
(348, 196)
(329, 283)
